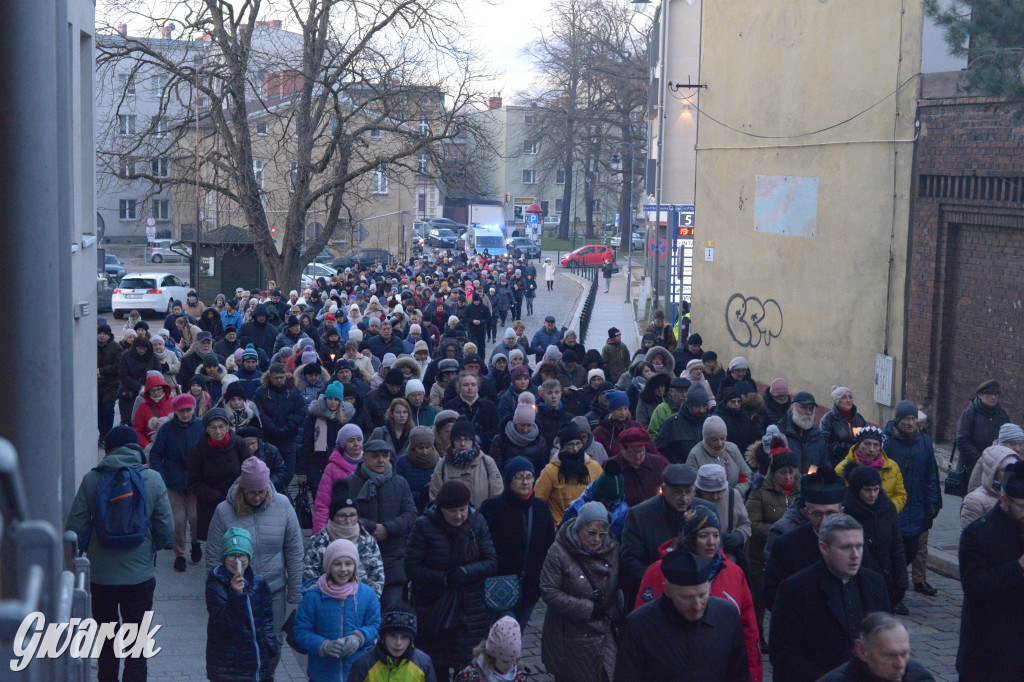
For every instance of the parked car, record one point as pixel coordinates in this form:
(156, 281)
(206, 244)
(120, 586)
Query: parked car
(103, 293)
(636, 242)
(113, 267)
(169, 250)
(442, 238)
(522, 246)
(552, 220)
(314, 270)
(448, 223)
(152, 291)
(324, 256)
(364, 258)
(594, 254)
(419, 236)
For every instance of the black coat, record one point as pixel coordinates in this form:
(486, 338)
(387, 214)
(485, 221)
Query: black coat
(435, 549)
(376, 404)
(992, 623)
(549, 422)
(838, 434)
(883, 539)
(393, 507)
(131, 371)
(659, 644)
(240, 639)
(279, 474)
(210, 475)
(678, 434)
(503, 449)
(808, 446)
(739, 427)
(282, 411)
(977, 428)
(809, 634)
(506, 519)
(260, 335)
(482, 413)
(855, 670)
(108, 360)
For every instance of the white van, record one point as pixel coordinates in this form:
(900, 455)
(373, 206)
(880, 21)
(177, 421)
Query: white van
(489, 237)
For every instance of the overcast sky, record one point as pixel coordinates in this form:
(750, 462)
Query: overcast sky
(502, 31)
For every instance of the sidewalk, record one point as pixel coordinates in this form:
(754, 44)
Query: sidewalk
(610, 310)
(944, 537)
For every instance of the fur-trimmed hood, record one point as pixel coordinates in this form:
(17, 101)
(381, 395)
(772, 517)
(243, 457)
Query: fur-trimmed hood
(300, 376)
(289, 381)
(414, 367)
(666, 358)
(318, 409)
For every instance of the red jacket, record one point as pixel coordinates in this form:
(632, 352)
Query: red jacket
(730, 584)
(149, 409)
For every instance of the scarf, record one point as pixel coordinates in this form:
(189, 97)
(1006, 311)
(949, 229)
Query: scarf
(491, 675)
(873, 462)
(845, 415)
(239, 418)
(336, 531)
(787, 489)
(518, 439)
(426, 461)
(373, 481)
(339, 592)
(219, 444)
(461, 459)
(320, 431)
(573, 468)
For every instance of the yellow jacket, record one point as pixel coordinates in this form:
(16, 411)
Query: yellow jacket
(558, 494)
(892, 477)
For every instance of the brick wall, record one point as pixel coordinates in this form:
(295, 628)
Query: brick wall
(965, 289)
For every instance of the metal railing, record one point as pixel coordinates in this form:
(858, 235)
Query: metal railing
(591, 273)
(32, 579)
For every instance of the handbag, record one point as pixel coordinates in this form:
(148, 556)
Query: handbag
(289, 634)
(302, 509)
(956, 476)
(441, 617)
(504, 592)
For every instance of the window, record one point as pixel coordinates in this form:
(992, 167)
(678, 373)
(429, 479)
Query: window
(559, 177)
(424, 128)
(159, 167)
(527, 177)
(529, 147)
(126, 83)
(293, 176)
(380, 180)
(257, 170)
(159, 126)
(158, 83)
(421, 203)
(127, 209)
(422, 166)
(375, 134)
(261, 128)
(558, 206)
(162, 209)
(528, 119)
(126, 167)
(296, 126)
(595, 204)
(126, 124)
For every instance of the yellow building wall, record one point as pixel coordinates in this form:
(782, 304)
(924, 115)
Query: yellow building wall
(812, 310)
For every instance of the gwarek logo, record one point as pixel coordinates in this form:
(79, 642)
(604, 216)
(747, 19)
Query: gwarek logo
(81, 638)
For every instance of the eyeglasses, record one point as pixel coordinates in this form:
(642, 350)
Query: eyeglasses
(818, 514)
(523, 478)
(347, 517)
(595, 533)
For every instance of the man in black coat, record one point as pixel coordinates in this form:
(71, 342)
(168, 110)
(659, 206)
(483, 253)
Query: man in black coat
(258, 331)
(651, 523)
(992, 575)
(684, 429)
(880, 652)
(379, 400)
(979, 424)
(686, 634)
(818, 611)
(805, 439)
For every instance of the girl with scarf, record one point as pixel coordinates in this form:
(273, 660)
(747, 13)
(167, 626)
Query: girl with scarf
(197, 389)
(497, 658)
(463, 461)
(702, 537)
(241, 411)
(345, 459)
(568, 474)
(867, 451)
(343, 523)
(339, 617)
(396, 427)
(325, 417)
(417, 465)
(840, 425)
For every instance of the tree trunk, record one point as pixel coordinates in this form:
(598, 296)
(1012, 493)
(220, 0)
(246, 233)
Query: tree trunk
(563, 225)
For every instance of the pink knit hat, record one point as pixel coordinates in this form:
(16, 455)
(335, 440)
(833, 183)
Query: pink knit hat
(525, 414)
(505, 641)
(779, 387)
(342, 548)
(255, 474)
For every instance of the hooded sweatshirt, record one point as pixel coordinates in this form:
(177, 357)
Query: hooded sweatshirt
(150, 409)
(981, 500)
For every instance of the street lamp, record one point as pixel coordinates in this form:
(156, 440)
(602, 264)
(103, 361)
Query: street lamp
(617, 166)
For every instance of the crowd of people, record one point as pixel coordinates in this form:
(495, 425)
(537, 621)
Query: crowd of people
(453, 472)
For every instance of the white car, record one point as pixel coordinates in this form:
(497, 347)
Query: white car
(147, 291)
(169, 250)
(314, 270)
(637, 241)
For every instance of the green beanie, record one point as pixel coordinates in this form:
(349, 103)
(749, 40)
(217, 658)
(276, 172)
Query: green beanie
(236, 541)
(610, 486)
(336, 389)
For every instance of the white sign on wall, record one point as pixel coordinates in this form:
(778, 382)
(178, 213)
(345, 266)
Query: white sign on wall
(883, 379)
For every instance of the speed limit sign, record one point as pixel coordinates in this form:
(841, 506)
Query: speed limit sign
(150, 221)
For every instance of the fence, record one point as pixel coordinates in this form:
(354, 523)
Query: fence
(591, 273)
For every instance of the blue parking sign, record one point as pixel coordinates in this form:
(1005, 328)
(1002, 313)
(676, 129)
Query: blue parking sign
(531, 218)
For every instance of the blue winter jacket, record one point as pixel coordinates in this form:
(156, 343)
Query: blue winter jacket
(320, 618)
(542, 339)
(250, 381)
(418, 480)
(618, 511)
(282, 411)
(234, 318)
(240, 639)
(916, 459)
(169, 454)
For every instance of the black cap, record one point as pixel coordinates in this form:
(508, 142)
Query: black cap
(823, 487)
(694, 340)
(804, 398)
(1013, 482)
(394, 377)
(613, 332)
(680, 567)
(472, 359)
(679, 475)
(680, 383)
(293, 321)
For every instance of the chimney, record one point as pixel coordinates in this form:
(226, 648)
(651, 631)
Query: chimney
(122, 30)
(165, 31)
(494, 102)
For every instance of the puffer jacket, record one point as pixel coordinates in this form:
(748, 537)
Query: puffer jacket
(132, 369)
(338, 467)
(392, 506)
(379, 347)
(282, 410)
(978, 502)
(575, 646)
(371, 565)
(808, 446)
(503, 449)
(892, 477)
(765, 506)
(261, 335)
(320, 617)
(210, 475)
(169, 454)
(279, 474)
(560, 494)
(149, 409)
(506, 517)
(122, 566)
(482, 477)
(276, 540)
(240, 638)
(916, 460)
(379, 666)
(285, 338)
(882, 538)
(838, 434)
(250, 381)
(978, 428)
(736, 468)
(434, 550)
(679, 434)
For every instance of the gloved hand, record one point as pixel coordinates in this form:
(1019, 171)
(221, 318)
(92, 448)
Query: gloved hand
(352, 643)
(332, 647)
(456, 577)
(732, 541)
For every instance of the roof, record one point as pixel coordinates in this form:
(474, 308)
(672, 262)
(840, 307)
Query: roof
(229, 234)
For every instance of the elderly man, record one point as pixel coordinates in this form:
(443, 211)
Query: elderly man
(818, 611)
(880, 652)
(650, 523)
(805, 440)
(979, 424)
(641, 470)
(686, 634)
(546, 336)
(992, 575)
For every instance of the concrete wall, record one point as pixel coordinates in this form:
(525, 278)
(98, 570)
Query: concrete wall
(810, 309)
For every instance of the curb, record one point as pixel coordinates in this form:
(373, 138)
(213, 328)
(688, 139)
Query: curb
(574, 321)
(944, 567)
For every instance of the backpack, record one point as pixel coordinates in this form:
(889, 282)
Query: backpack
(120, 509)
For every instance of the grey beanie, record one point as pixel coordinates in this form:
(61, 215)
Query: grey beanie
(1009, 433)
(711, 478)
(552, 353)
(904, 409)
(591, 511)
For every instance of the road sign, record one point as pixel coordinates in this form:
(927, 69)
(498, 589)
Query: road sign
(532, 218)
(150, 234)
(273, 230)
(150, 221)
(616, 219)
(361, 232)
(658, 247)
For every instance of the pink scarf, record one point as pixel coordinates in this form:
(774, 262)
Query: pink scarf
(875, 462)
(340, 592)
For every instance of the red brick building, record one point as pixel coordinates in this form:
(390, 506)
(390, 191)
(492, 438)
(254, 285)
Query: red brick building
(965, 294)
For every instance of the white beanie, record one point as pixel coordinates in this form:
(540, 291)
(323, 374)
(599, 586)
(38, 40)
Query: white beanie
(510, 333)
(595, 373)
(838, 391)
(414, 386)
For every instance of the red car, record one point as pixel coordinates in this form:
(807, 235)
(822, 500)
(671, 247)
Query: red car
(595, 254)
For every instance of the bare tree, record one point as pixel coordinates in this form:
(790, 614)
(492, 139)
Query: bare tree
(350, 93)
